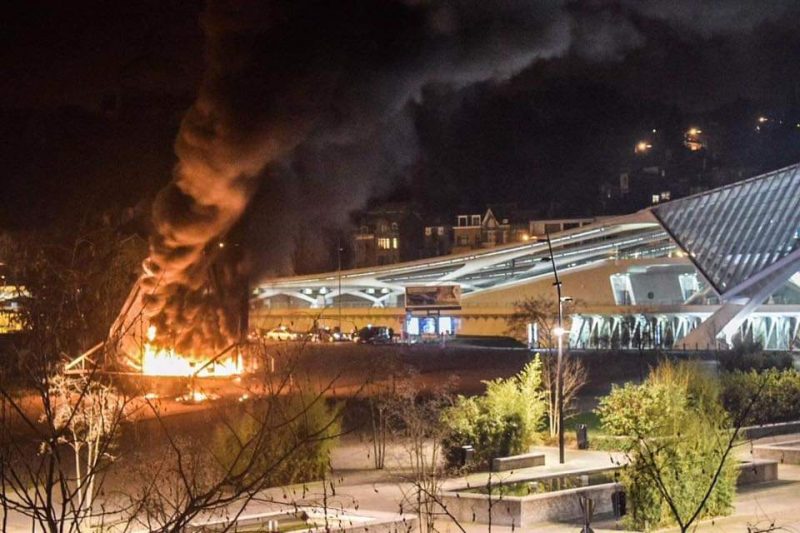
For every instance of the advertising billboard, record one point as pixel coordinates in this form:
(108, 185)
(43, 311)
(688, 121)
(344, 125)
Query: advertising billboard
(435, 297)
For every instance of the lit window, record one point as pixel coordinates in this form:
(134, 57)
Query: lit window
(394, 226)
(394, 243)
(384, 243)
(666, 195)
(428, 231)
(476, 220)
(656, 198)
(440, 230)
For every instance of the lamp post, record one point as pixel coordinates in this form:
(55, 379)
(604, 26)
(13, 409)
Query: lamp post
(339, 257)
(559, 331)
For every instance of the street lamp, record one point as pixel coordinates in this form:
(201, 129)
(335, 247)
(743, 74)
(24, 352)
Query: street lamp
(559, 331)
(339, 250)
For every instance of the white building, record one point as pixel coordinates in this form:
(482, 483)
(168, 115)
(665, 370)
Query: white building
(688, 273)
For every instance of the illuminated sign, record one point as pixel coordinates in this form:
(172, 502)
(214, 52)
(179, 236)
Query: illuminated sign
(435, 297)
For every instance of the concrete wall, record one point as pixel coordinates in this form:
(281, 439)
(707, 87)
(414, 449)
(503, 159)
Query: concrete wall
(659, 287)
(785, 452)
(524, 511)
(757, 471)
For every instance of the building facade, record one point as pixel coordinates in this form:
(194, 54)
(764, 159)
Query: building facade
(386, 235)
(497, 226)
(438, 238)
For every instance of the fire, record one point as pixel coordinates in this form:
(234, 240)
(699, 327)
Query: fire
(158, 361)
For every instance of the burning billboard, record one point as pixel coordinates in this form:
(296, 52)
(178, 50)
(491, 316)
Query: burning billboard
(159, 361)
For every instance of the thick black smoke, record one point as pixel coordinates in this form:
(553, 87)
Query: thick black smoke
(308, 88)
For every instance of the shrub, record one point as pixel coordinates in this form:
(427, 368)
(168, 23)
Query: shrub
(778, 401)
(504, 421)
(277, 441)
(744, 360)
(675, 431)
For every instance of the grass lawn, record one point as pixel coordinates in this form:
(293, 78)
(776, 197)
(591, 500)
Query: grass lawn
(589, 418)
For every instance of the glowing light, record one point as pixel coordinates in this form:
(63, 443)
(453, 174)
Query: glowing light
(195, 396)
(694, 131)
(166, 362)
(642, 146)
(559, 331)
(762, 119)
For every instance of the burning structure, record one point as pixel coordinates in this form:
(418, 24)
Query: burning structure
(280, 74)
(178, 317)
(295, 88)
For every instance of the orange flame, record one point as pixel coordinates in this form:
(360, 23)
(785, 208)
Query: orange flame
(166, 362)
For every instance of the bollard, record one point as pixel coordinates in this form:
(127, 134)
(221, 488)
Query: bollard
(467, 455)
(587, 511)
(582, 437)
(618, 503)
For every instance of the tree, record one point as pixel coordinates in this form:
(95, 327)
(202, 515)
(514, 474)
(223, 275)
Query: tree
(90, 412)
(543, 313)
(281, 434)
(58, 432)
(39, 478)
(415, 419)
(503, 421)
(677, 440)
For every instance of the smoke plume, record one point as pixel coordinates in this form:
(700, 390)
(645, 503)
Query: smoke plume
(305, 88)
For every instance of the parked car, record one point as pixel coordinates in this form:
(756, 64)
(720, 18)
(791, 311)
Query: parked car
(282, 333)
(375, 335)
(337, 335)
(326, 334)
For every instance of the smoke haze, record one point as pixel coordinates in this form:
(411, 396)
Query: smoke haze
(314, 96)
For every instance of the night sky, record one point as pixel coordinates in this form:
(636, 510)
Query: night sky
(450, 104)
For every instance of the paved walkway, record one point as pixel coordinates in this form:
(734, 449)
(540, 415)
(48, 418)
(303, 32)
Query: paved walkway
(357, 485)
(756, 506)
